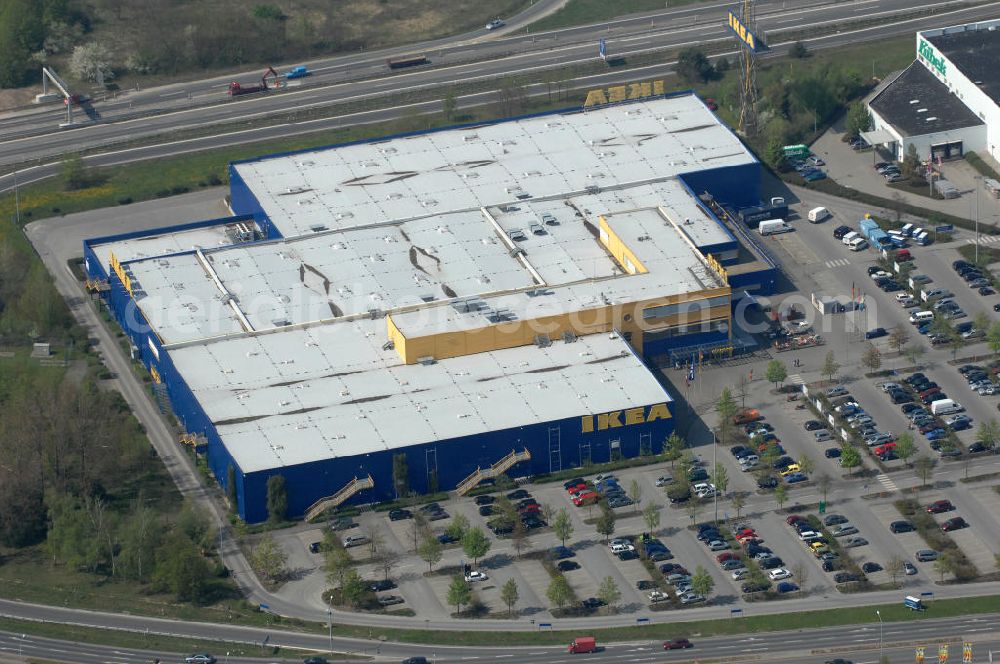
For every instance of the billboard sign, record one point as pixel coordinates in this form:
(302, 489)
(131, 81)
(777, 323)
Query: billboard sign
(627, 92)
(743, 32)
(927, 53)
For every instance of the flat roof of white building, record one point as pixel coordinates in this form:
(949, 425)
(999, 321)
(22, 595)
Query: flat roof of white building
(332, 391)
(434, 173)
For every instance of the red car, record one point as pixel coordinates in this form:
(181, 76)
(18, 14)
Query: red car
(585, 499)
(576, 487)
(954, 523)
(677, 644)
(728, 555)
(927, 393)
(939, 506)
(529, 509)
(793, 519)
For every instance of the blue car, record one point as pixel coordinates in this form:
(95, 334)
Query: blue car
(924, 329)
(961, 425)
(787, 587)
(936, 434)
(796, 477)
(814, 175)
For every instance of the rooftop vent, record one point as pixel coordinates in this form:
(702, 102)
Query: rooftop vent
(543, 341)
(921, 110)
(914, 101)
(568, 337)
(426, 360)
(932, 118)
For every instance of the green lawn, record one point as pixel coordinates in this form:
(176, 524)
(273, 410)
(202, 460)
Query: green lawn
(581, 12)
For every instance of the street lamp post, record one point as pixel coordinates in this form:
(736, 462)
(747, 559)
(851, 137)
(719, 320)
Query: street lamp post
(329, 613)
(978, 181)
(715, 465)
(879, 614)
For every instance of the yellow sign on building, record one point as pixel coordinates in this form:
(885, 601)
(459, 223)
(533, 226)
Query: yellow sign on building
(120, 271)
(624, 418)
(625, 92)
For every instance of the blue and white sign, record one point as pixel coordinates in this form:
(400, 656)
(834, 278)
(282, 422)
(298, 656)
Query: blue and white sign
(947, 228)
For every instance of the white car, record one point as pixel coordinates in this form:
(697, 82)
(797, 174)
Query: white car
(476, 576)
(658, 596)
(779, 574)
(621, 548)
(740, 574)
(494, 24)
(664, 480)
(704, 490)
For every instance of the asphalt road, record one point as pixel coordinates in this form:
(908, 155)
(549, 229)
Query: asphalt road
(35, 135)
(860, 643)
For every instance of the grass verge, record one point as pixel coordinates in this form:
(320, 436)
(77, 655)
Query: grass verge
(977, 163)
(581, 12)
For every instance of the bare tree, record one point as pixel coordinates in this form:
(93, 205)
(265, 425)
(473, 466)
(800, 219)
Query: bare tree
(387, 559)
(894, 566)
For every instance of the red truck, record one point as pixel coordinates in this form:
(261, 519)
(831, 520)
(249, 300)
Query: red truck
(236, 88)
(583, 644)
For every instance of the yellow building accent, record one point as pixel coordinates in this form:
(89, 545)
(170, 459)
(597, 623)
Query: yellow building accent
(626, 92)
(619, 418)
(616, 247)
(717, 268)
(155, 374)
(120, 271)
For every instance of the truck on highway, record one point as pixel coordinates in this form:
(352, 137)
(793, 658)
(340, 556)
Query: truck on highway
(236, 88)
(583, 644)
(406, 61)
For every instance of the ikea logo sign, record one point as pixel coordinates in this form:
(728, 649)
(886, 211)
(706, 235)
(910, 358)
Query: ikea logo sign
(624, 418)
(930, 56)
(742, 32)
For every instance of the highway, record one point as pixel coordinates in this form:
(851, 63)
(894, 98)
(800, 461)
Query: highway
(134, 115)
(859, 643)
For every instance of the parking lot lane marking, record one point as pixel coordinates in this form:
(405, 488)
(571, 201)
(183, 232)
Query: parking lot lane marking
(887, 482)
(838, 262)
(796, 379)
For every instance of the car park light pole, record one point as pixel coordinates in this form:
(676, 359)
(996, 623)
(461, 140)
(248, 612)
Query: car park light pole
(879, 614)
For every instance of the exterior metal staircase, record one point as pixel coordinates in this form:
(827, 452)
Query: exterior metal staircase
(499, 468)
(338, 498)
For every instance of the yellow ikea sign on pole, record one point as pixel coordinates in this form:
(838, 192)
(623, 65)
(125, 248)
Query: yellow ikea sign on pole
(625, 92)
(743, 32)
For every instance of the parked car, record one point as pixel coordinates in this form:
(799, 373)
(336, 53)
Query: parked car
(954, 523)
(901, 527)
(677, 644)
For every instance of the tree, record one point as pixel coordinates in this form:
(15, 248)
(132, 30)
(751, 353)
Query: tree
(459, 592)
(981, 321)
(830, 366)
(924, 467)
(509, 594)
(268, 558)
(693, 65)
(231, 495)
(458, 526)
(141, 536)
(374, 535)
(993, 338)
(780, 495)
(798, 50)
(823, 483)
(850, 458)
(806, 464)
(774, 153)
(898, 338)
(673, 448)
(92, 62)
(400, 475)
(906, 447)
(911, 162)
(858, 119)
(449, 104)
(692, 507)
(801, 574)
(559, 592)
(777, 372)
(519, 537)
(739, 502)
(606, 522)
(701, 582)
(725, 406)
(418, 527)
(608, 592)
(475, 544)
(512, 97)
(894, 566)
(635, 491)
(277, 498)
(988, 433)
(338, 563)
(181, 569)
(914, 353)
(562, 526)
(430, 551)
(871, 357)
(387, 559)
(945, 564)
(651, 517)
(353, 588)
(75, 173)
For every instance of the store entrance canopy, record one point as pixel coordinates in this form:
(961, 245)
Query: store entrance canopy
(878, 137)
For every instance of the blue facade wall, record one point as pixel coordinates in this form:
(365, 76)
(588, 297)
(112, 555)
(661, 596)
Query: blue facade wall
(733, 185)
(661, 345)
(243, 202)
(554, 446)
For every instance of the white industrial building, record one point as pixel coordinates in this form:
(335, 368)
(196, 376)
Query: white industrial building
(947, 102)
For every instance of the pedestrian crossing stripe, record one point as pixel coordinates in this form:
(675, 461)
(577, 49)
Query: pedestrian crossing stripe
(887, 482)
(839, 262)
(983, 239)
(796, 379)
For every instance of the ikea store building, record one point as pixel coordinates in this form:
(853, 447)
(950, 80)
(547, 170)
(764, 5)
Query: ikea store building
(478, 299)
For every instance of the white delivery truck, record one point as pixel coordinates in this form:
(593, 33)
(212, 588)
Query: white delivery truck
(773, 226)
(817, 215)
(858, 244)
(945, 407)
